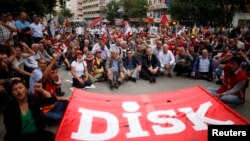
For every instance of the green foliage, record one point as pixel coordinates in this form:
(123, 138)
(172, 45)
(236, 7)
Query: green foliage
(112, 10)
(62, 4)
(66, 13)
(135, 8)
(206, 11)
(38, 7)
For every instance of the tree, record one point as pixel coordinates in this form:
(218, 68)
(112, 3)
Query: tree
(66, 13)
(63, 3)
(38, 7)
(111, 10)
(135, 8)
(205, 11)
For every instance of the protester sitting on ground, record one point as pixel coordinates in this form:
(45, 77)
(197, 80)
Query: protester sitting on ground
(123, 49)
(37, 75)
(54, 112)
(139, 52)
(70, 56)
(105, 53)
(236, 81)
(23, 119)
(79, 72)
(203, 67)
(132, 66)
(89, 61)
(48, 46)
(192, 54)
(167, 61)
(43, 53)
(150, 66)
(98, 67)
(31, 62)
(18, 66)
(157, 49)
(183, 63)
(5, 78)
(115, 69)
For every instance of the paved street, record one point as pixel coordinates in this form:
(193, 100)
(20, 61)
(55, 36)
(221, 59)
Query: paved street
(143, 87)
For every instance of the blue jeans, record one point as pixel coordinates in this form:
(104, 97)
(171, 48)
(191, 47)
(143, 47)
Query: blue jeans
(230, 99)
(56, 114)
(218, 72)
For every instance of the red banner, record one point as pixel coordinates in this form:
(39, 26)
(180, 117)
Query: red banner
(148, 20)
(175, 116)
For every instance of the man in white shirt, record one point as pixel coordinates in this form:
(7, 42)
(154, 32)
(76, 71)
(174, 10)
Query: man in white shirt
(79, 31)
(31, 62)
(167, 61)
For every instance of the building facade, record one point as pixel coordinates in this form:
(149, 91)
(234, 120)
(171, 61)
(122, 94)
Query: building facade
(76, 8)
(242, 19)
(92, 9)
(156, 8)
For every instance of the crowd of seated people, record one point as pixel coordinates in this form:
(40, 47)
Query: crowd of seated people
(103, 54)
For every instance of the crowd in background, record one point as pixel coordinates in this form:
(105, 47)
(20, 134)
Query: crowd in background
(104, 53)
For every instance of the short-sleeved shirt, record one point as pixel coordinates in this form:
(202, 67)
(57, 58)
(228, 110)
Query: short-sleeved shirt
(37, 30)
(79, 67)
(22, 24)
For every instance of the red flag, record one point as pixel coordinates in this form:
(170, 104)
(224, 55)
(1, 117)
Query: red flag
(97, 20)
(164, 20)
(67, 23)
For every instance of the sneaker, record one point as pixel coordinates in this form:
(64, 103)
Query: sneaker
(116, 85)
(133, 79)
(112, 85)
(170, 75)
(153, 79)
(119, 82)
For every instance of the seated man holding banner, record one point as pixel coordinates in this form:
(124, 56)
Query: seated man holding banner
(233, 90)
